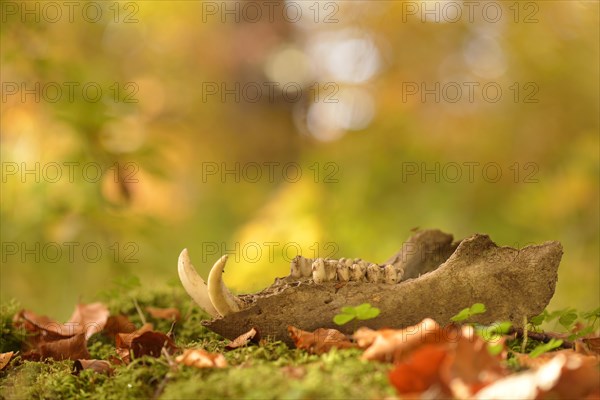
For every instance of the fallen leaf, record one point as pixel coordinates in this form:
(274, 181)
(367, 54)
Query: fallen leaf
(419, 371)
(86, 318)
(89, 318)
(5, 359)
(469, 366)
(124, 339)
(151, 344)
(201, 359)
(527, 361)
(251, 336)
(100, 366)
(391, 345)
(164, 313)
(588, 346)
(143, 342)
(118, 324)
(71, 348)
(565, 375)
(320, 341)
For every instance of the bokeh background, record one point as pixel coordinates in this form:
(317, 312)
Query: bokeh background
(358, 135)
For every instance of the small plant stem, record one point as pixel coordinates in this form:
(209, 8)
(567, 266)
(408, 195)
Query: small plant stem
(139, 310)
(524, 344)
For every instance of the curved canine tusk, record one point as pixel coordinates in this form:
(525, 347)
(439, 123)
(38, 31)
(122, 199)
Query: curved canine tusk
(193, 283)
(222, 299)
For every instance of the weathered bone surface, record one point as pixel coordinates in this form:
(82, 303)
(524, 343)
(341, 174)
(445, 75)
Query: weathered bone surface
(436, 278)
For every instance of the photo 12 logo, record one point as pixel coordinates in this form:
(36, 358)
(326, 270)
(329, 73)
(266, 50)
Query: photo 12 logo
(253, 252)
(454, 92)
(72, 171)
(51, 12)
(468, 172)
(55, 252)
(253, 92)
(70, 92)
(253, 172)
(325, 12)
(470, 11)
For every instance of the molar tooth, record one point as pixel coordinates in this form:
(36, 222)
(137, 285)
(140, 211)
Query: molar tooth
(400, 271)
(390, 274)
(357, 272)
(318, 271)
(193, 283)
(374, 273)
(222, 299)
(295, 268)
(300, 267)
(343, 271)
(330, 270)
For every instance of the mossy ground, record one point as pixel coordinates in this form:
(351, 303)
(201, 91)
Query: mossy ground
(266, 372)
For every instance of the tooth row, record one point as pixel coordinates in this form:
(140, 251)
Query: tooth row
(344, 270)
(216, 299)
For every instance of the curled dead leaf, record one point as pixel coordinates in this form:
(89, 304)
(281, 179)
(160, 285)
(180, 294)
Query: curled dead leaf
(565, 376)
(391, 345)
(118, 324)
(199, 358)
(164, 313)
(252, 336)
(5, 359)
(100, 366)
(419, 371)
(320, 341)
(469, 366)
(86, 319)
(71, 348)
(588, 346)
(143, 342)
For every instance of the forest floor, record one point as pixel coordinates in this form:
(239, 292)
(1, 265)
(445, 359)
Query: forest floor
(148, 363)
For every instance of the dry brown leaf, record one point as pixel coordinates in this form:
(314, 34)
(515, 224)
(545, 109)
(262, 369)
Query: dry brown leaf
(5, 359)
(118, 324)
(143, 342)
(201, 359)
(124, 339)
(566, 375)
(420, 370)
(320, 341)
(89, 318)
(526, 361)
(252, 336)
(151, 344)
(391, 345)
(469, 366)
(588, 346)
(100, 366)
(86, 318)
(71, 348)
(164, 313)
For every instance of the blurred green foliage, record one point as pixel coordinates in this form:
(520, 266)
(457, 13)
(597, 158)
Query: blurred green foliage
(357, 196)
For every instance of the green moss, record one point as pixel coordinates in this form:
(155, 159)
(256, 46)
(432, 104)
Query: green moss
(10, 337)
(34, 380)
(252, 372)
